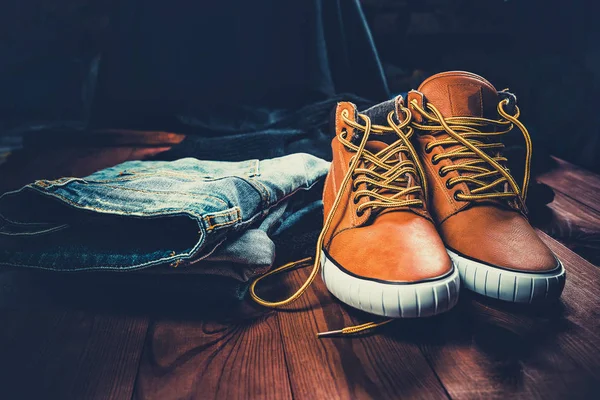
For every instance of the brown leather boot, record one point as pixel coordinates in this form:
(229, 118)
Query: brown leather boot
(459, 119)
(381, 252)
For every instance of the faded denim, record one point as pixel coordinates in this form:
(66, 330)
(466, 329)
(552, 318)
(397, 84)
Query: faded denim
(141, 214)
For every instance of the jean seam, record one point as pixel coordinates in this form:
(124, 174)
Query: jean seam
(260, 189)
(57, 228)
(56, 182)
(104, 210)
(167, 193)
(182, 211)
(164, 260)
(267, 200)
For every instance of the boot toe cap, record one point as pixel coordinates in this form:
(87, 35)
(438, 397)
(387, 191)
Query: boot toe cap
(388, 251)
(501, 240)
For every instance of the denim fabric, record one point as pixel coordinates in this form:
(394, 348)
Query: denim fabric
(242, 256)
(141, 214)
(297, 235)
(264, 133)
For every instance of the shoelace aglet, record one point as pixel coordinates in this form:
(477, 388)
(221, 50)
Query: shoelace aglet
(349, 330)
(330, 333)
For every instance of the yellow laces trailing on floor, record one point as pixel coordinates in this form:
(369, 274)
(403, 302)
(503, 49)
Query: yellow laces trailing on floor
(463, 131)
(381, 171)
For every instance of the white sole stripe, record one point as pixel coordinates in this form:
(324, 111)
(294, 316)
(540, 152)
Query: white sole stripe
(509, 285)
(390, 300)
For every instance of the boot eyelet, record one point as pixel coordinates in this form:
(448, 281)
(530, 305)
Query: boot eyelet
(428, 149)
(344, 133)
(355, 200)
(435, 161)
(441, 173)
(448, 185)
(456, 195)
(360, 213)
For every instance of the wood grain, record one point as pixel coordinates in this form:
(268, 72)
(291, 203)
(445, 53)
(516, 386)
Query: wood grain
(497, 350)
(378, 365)
(572, 223)
(25, 166)
(207, 359)
(573, 218)
(104, 137)
(575, 182)
(49, 350)
(56, 345)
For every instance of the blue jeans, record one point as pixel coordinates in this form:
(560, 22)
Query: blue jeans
(142, 214)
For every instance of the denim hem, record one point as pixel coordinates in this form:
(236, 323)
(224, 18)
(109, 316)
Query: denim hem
(163, 213)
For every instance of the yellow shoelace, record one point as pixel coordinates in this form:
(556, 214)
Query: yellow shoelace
(379, 171)
(383, 171)
(486, 173)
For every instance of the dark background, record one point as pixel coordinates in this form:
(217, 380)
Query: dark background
(76, 64)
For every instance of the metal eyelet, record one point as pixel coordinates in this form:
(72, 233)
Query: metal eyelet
(441, 173)
(449, 185)
(428, 149)
(435, 161)
(360, 213)
(355, 200)
(456, 195)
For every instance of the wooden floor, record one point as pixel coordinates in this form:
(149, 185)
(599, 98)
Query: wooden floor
(57, 348)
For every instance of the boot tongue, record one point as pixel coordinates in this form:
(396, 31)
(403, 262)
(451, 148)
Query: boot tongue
(375, 145)
(378, 115)
(461, 94)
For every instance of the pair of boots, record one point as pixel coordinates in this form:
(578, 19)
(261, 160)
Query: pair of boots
(419, 201)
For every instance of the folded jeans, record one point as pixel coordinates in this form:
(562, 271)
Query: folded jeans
(142, 214)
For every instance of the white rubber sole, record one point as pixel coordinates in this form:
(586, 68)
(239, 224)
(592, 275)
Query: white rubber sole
(394, 300)
(507, 285)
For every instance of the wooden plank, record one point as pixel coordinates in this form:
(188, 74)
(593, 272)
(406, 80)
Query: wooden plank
(208, 359)
(575, 182)
(68, 355)
(27, 165)
(51, 344)
(103, 137)
(50, 351)
(497, 350)
(572, 223)
(379, 365)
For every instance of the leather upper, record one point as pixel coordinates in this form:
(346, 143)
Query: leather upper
(397, 245)
(492, 231)
(499, 237)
